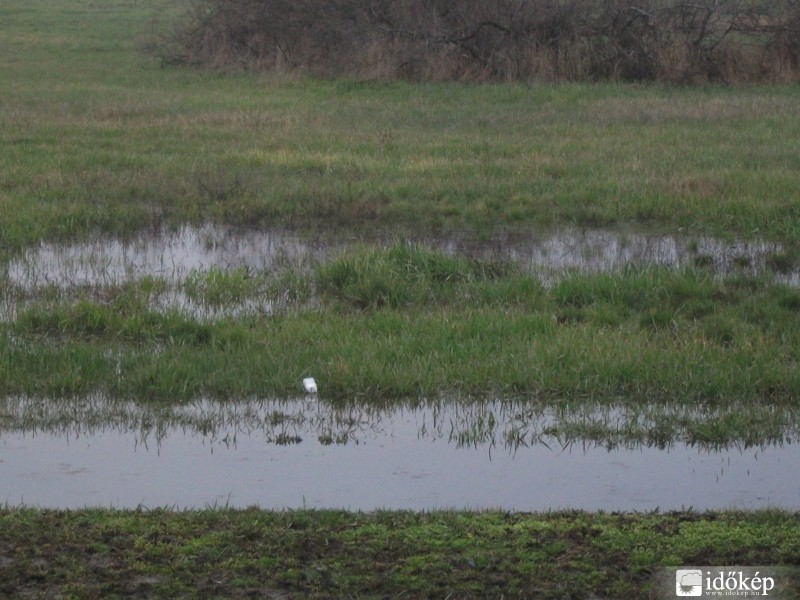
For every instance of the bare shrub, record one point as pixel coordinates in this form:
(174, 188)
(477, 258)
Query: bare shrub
(672, 40)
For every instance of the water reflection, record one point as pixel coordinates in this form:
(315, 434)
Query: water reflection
(198, 270)
(417, 455)
(507, 425)
(173, 254)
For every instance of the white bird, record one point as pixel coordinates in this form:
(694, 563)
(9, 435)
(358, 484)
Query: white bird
(310, 385)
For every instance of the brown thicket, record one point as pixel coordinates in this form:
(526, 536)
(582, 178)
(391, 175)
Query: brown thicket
(627, 40)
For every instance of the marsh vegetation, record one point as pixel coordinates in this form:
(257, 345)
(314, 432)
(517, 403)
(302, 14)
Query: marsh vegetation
(405, 321)
(573, 264)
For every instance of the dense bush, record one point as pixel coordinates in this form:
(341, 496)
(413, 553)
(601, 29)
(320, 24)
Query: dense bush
(719, 40)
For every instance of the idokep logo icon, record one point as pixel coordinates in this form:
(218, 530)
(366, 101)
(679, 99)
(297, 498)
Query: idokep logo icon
(776, 582)
(688, 582)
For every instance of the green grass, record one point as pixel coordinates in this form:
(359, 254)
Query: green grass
(408, 322)
(332, 554)
(100, 137)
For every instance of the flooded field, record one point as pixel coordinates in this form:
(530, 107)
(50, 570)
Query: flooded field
(421, 456)
(175, 253)
(448, 453)
(178, 261)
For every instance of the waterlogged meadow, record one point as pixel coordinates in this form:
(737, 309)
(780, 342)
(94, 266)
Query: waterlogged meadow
(404, 321)
(524, 297)
(429, 360)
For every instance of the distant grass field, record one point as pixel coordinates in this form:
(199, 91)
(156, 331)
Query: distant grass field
(98, 136)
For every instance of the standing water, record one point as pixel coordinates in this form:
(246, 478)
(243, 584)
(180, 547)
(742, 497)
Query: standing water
(171, 254)
(444, 454)
(303, 453)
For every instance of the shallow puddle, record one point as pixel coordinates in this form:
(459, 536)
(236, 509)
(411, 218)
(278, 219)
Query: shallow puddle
(304, 453)
(173, 254)
(169, 255)
(176, 258)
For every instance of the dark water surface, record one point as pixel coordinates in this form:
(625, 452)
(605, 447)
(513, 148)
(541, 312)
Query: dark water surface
(293, 454)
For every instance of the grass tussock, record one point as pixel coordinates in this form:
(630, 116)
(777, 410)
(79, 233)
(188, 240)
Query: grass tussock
(650, 40)
(402, 275)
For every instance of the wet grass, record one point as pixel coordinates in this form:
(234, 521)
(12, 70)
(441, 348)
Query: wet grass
(406, 322)
(323, 554)
(100, 137)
